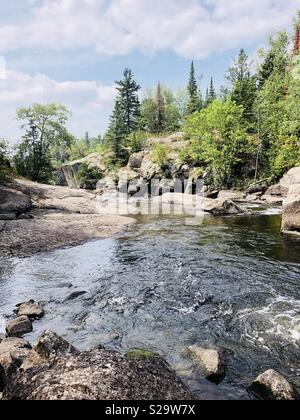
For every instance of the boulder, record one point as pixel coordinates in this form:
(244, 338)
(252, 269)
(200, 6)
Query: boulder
(13, 351)
(257, 189)
(221, 207)
(50, 345)
(98, 375)
(13, 202)
(291, 205)
(135, 160)
(149, 169)
(210, 363)
(67, 173)
(8, 216)
(31, 309)
(231, 195)
(19, 327)
(272, 386)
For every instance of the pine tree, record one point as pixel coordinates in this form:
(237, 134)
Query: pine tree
(243, 84)
(160, 110)
(194, 101)
(117, 131)
(211, 95)
(128, 97)
(266, 69)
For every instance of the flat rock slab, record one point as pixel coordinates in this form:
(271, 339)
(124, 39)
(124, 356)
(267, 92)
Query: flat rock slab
(98, 375)
(19, 327)
(272, 386)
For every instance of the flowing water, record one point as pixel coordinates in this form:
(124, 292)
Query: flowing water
(231, 283)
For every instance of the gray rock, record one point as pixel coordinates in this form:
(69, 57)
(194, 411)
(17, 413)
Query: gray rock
(50, 345)
(272, 386)
(74, 295)
(12, 201)
(98, 375)
(13, 351)
(31, 309)
(19, 327)
(2, 337)
(291, 205)
(210, 363)
(221, 207)
(8, 216)
(135, 160)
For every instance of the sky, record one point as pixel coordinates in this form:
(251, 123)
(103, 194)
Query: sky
(73, 51)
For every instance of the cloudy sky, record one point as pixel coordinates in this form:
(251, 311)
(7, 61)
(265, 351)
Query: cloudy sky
(72, 51)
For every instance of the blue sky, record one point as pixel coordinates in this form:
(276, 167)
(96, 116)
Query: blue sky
(72, 51)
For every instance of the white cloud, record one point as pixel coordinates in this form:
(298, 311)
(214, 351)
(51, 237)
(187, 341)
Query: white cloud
(2, 68)
(191, 28)
(90, 102)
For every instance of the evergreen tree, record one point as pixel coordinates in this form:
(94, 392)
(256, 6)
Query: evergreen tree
(194, 99)
(160, 109)
(211, 95)
(243, 84)
(266, 69)
(128, 97)
(117, 131)
(296, 46)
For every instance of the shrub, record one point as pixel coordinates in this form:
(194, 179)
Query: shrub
(88, 177)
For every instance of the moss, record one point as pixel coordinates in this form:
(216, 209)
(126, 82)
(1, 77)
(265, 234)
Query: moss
(140, 354)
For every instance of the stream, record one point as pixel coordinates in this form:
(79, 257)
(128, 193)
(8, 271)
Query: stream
(164, 284)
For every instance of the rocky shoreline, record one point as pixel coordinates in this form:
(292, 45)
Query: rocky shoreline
(38, 218)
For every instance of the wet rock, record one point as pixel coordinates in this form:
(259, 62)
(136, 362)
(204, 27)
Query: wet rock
(210, 363)
(140, 354)
(13, 351)
(74, 295)
(50, 345)
(65, 286)
(257, 189)
(98, 375)
(221, 207)
(25, 216)
(272, 386)
(19, 327)
(31, 309)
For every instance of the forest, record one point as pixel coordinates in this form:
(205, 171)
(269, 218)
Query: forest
(248, 130)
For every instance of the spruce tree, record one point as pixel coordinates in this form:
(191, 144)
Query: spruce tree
(160, 110)
(194, 99)
(211, 95)
(243, 84)
(128, 97)
(117, 131)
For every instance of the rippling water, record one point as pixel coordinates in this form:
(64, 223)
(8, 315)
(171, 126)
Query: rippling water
(163, 285)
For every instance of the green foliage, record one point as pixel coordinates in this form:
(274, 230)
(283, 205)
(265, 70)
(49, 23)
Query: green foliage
(5, 168)
(243, 85)
(170, 117)
(194, 103)
(88, 177)
(220, 141)
(211, 94)
(136, 141)
(45, 132)
(160, 155)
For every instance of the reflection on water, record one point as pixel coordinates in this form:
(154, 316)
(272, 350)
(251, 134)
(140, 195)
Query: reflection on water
(164, 285)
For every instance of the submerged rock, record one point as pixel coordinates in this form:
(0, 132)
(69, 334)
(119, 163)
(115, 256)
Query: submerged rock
(74, 295)
(221, 207)
(96, 375)
(272, 386)
(210, 363)
(19, 327)
(31, 309)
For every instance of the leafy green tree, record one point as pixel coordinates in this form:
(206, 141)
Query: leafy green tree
(5, 168)
(194, 101)
(220, 142)
(45, 131)
(128, 101)
(243, 84)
